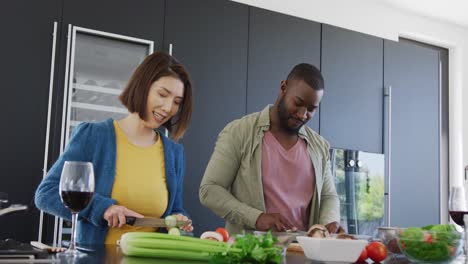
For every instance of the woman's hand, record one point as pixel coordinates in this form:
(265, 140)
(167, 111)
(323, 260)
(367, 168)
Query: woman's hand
(186, 228)
(115, 215)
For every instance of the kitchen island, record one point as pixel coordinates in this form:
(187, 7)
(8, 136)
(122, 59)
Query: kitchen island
(111, 254)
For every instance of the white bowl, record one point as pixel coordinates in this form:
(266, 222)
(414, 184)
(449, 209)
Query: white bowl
(331, 249)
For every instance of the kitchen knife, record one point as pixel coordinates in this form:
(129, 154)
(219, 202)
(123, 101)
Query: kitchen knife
(152, 222)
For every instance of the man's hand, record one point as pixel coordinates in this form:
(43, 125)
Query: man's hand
(273, 221)
(334, 228)
(115, 215)
(181, 217)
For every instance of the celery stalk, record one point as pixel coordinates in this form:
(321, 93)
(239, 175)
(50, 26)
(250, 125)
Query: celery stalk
(139, 260)
(181, 254)
(146, 244)
(172, 244)
(155, 235)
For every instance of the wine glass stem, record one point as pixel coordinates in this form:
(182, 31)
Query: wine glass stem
(465, 247)
(73, 231)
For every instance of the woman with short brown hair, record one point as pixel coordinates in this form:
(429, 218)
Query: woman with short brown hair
(138, 170)
(153, 68)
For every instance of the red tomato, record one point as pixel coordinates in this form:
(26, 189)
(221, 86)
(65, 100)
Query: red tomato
(376, 251)
(428, 238)
(363, 256)
(223, 232)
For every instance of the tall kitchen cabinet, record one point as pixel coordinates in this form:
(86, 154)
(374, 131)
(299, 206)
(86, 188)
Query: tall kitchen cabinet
(278, 42)
(27, 28)
(412, 72)
(351, 111)
(210, 38)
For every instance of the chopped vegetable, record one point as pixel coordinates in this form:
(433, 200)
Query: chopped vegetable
(224, 233)
(212, 235)
(251, 249)
(170, 221)
(319, 231)
(174, 231)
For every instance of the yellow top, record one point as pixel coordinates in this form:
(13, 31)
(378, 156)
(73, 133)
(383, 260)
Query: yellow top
(140, 182)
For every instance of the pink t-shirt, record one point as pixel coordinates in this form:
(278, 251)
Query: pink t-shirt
(288, 180)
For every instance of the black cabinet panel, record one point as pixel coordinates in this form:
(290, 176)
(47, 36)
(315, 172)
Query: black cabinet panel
(277, 42)
(141, 19)
(351, 111)
(413, 73)
(27, 27)
(210, 38)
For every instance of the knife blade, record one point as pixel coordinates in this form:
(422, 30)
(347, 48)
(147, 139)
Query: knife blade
(152, 222)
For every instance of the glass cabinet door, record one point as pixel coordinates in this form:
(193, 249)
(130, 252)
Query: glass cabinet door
(359, 179)
(101, 64)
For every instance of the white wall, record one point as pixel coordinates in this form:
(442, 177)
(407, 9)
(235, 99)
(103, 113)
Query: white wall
(384, 21)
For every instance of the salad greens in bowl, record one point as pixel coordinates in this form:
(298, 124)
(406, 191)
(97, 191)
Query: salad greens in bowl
(434, 243)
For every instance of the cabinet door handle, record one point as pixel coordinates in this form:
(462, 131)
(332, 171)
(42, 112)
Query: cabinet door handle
(388, 149)
(49, 110)
(170, 49)
(51, 90)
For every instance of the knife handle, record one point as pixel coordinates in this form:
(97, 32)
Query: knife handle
(130, 220)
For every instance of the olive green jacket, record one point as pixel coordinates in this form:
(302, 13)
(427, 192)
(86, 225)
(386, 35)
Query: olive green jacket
(232, 185)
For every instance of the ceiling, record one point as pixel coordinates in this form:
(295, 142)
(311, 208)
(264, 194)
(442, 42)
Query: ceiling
(452, 11)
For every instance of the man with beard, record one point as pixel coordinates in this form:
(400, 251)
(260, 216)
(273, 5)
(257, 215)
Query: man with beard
(270, 171)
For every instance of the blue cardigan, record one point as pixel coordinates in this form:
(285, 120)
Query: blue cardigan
(96, 142)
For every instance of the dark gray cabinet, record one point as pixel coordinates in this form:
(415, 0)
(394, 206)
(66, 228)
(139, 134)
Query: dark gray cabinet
(210, 38)
(141, 19)
(277, 42)
(27, 28)
(412, 71)
(351, 111)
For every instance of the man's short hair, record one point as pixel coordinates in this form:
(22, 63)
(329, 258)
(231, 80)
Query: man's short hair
(309, 74)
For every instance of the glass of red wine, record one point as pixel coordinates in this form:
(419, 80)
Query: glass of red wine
(457, 205)
(76, 190)
(458, 209)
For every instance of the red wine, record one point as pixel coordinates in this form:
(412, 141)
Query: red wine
(457, 217)
(75, 200)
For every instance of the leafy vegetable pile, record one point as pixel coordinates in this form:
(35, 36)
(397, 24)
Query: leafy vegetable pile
(430, 243)
(246, 249)
(157, 245)
(251, 249)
